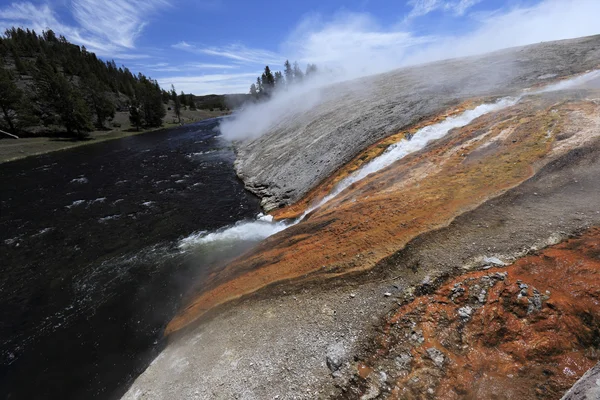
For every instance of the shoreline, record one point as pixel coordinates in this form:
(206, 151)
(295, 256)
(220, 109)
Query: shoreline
(18, 149)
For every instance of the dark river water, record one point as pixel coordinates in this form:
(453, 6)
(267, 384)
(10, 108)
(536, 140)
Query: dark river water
(91, 270)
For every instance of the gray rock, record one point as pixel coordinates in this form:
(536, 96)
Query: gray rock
(499, 276)
(535, 302)
(465, 313)
(456, 291)
(404, 361)
(524, 290)
(372, 392)
(336, 355)
(482, 297)
(586, 388)
(436, 356)
(494, 261)
(417, 337)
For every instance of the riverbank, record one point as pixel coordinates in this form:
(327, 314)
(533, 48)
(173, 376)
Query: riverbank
(15, 149)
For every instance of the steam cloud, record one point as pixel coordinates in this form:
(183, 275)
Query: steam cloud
(354, 45)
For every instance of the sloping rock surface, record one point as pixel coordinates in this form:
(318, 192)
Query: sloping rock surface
(304, 148)
(586, 388)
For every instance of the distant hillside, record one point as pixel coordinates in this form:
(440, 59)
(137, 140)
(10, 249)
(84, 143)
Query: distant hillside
(49, 86)
(221, 101)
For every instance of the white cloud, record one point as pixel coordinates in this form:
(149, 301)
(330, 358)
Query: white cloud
(546, 21)
(119, 21)
(357, 44)
(188, 66)
(210, 66)
(211, 83)
(106, 28)
(354, 42)
(183, 46)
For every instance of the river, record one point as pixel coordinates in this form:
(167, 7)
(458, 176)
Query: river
(91, 267)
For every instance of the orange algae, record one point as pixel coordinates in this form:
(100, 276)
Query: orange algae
(531, 335)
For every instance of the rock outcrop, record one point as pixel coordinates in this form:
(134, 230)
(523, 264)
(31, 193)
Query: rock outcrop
(306, 147)
(522, 332)
(586, 388)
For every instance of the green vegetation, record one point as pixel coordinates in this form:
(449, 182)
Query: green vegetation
(176, 103)
(268, 82)
(49, 86)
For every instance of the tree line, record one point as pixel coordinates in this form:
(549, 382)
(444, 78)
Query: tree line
(45, 80)
(269, 81)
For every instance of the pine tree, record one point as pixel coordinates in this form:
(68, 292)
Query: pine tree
(253, 91)
(268, 80)
(278, 79)
(289, 73)
(311, 69)
(176, 103)
(18, 63)
(259, 85)
(298, 74)
(151, 105)
(183, 99)
(98, 100)
(62, 98)
(191, 102)
(135, 116)
(10, 99)
(166, 96)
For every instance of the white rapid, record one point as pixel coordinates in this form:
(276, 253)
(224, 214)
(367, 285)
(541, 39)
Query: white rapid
(243, 231)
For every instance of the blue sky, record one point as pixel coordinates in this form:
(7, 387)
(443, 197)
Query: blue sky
(220, 46)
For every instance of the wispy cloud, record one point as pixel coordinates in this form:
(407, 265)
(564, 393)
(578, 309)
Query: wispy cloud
(119, 21)
(516, 26)
(183, 46)
(210, 66)
(424, 7)
(236, 52)
(188, 66)
(106, 28)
